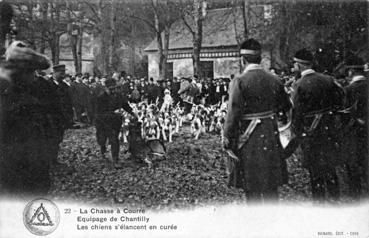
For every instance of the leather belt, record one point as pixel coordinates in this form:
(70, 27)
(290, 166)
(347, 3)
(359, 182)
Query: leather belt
(318, 114)
(320, 111)
(255, 120)
(258, 115)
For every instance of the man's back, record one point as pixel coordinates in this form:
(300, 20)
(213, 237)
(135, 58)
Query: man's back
(261, 91)
(255, 91)
(315, 92)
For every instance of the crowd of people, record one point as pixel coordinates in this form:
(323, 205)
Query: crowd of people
(84, 89)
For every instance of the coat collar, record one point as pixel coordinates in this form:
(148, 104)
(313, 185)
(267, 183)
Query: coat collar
(357, 78)
(252, 67)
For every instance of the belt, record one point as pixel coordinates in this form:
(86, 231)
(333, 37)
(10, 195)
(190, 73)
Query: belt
(320, 111)
(349, 109)
(258, 115)
(255, 120)
(318, 114)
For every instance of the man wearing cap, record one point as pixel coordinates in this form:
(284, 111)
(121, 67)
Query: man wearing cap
(29, 122)
(316, 97)
(64, 96)
(107, 122)
(251, 131)
(356, 130)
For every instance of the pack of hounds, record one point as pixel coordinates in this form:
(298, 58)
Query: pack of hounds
(162, 124)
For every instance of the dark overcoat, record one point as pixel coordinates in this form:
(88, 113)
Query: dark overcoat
(315, 92)
(261, 167)
(29, 136)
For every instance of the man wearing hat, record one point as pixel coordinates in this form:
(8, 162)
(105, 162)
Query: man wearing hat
(316, 98)
(29, 122)
(64, 97)
(250, 131)
(357, 129)
(107, 122)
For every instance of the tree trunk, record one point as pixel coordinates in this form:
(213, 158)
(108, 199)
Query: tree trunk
(245, 10)
(79, 50)
(31, 25)
(54, 48)
(112, 19)
(159, 41)
(44, 8)
(165, 51)
(72, 37)
(197, 35)
(79, 41)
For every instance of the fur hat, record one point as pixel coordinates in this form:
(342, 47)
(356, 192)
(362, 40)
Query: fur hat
(19, 56)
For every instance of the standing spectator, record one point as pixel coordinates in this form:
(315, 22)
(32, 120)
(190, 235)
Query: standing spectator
(108, 123)
(316, 98)
(30, 122)
(255, 97)
(183, 92)
(152, 91)
(175, 88)
(63, 92)
(355, 138)
(135, 95)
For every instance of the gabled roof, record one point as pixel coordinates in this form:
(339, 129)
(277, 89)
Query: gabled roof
(218, 31)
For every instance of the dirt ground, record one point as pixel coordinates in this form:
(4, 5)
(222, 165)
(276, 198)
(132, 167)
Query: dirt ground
(193, 173)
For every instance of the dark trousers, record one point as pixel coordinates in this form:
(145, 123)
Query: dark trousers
(107, 129)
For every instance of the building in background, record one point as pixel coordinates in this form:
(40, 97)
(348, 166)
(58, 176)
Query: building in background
(220, 49)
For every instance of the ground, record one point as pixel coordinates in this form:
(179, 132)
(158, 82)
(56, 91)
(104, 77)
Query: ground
(193, 173)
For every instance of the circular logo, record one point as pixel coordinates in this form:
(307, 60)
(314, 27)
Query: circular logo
(41, 216)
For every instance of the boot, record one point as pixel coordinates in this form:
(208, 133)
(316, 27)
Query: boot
(116, 163)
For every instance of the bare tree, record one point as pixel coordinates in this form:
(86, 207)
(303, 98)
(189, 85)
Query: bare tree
(196, 13)
(160, 16)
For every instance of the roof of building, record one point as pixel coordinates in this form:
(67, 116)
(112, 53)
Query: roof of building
(221, 27)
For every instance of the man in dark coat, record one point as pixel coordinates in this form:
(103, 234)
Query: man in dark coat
(175, 88)
(153, 91)
(316, 98)
(64, 96)
(29, 122)
(250, 129)
(107, 122)
(357, 128)
(82, 99)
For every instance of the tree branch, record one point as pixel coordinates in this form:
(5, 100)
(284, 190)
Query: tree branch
(144, 20)
(93, 10)
(187, 25)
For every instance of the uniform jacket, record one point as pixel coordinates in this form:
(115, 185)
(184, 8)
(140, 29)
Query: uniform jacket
(261, 167)
(315, 92)
(254, 91)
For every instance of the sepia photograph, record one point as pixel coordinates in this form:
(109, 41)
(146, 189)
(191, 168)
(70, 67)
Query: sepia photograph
(184, 118)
